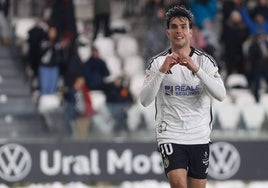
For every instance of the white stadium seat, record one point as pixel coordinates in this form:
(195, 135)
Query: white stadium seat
(84, 52)
(48, 103)
(229, 116)
(127, 46)
(136, 83)
(133, 65)
(114, 65)
(236, 80)
(238, 88)
(253, 116)
(22, 26)
(106, 46)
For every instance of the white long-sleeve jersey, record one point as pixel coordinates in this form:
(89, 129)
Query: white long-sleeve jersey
(183, 98)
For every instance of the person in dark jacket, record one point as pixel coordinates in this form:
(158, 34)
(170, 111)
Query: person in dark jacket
(48, 70)
(95, 71)
(258, 57)
(119, 100)
(102, 13)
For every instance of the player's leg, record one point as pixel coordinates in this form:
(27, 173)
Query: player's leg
(177, 178)
(175, 161)
(196, 183)
(198, 166)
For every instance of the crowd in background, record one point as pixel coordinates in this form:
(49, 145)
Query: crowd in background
(234, 32)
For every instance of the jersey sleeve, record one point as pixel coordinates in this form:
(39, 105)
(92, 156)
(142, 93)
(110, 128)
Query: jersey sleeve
(209, 75)
(151, 84)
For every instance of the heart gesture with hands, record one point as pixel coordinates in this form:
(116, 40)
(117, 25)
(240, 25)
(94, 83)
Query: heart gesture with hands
(181, 59)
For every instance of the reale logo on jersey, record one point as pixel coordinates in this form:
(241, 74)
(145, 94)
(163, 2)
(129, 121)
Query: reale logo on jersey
(168, 90)
(15, 162)
(224, 160)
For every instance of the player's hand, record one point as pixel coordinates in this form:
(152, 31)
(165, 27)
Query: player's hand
(169, 62)
(186, 60)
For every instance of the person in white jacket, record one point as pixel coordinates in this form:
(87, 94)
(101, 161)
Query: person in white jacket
(182, 81)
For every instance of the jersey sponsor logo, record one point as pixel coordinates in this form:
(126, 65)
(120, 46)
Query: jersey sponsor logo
(182, 90)
(168, 90)
(224, 160)
(15, 162)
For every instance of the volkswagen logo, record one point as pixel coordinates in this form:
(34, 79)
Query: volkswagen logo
(224, 160)
(15, 162)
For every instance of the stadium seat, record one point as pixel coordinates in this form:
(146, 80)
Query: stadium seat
(84, 52)
(22, 26)
(120, 25)
(127, 46)
(48, 103)
(102, 121)
(216, 109)
(238, 88)
(229, 115)
(135, 114)
(98, 99)
(106, 46)
(253, 116)
(133, 65)
(236, 81)
(242, 96)
(114, 65)
(135, 85)
(264, 98)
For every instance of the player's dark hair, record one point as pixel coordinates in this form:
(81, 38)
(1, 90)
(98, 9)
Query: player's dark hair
(178, 12)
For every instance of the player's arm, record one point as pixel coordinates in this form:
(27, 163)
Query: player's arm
(212, 80)
(153, 78)
(151, 84)
(208, 74)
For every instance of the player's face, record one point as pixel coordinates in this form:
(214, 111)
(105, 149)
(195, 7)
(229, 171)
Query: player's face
(179, 33)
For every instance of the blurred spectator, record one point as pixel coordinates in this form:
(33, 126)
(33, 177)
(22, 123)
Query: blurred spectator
(48, 70)
(5, 7)
(227, 8)
(151, 8)
(261, 8)
(258, 23)
(95, 71)
(211, 38)
(155, 33)
(130, 7)
(258, 57)
(102, 11)
(71, 66)
(63, 17)
(119, 100)
(233, 36)
(5, 26)
(198, 41)
(78, 109)
(36, 35)
(204, 10)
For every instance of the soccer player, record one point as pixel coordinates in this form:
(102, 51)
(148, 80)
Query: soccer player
(183, 80)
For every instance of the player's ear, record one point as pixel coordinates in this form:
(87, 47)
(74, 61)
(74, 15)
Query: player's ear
(167, 33)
